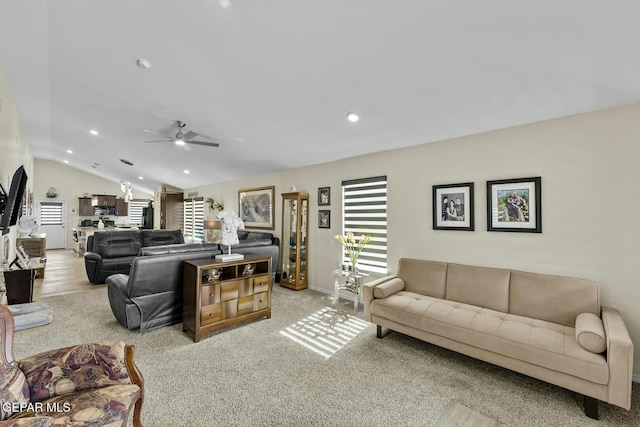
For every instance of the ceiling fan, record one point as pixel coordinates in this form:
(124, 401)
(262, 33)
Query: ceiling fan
(183, 139)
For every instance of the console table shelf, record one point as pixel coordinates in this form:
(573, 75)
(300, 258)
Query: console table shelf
(217, 295)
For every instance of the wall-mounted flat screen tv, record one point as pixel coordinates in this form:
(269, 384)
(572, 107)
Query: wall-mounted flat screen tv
(12, 206)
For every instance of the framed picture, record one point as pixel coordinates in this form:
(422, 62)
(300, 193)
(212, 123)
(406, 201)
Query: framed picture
(514, 205)
(324, 196)
(324, 219)
(453, 207)
(256, 207)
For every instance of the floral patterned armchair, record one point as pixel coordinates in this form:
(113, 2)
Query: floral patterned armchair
(89, 385)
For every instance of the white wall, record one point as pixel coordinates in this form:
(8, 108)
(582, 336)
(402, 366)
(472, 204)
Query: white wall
(14, 152)
(72, 183)
(589, 207)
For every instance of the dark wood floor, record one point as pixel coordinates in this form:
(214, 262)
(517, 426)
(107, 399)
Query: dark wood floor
(64, 274)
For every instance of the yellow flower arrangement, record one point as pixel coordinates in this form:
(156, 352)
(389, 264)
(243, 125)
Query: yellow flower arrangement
(353, 245)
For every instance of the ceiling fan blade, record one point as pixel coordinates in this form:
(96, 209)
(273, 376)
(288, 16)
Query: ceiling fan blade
(186, 147)
(161, 140)
(206, 144)
(156, 133)
(189, 135)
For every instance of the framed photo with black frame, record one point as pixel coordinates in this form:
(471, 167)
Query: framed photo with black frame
(324, 196)
(514, 205)
(453, 207)
(324, 219)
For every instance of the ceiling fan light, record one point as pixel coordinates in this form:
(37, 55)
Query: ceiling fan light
(353, 117)
(179, 141)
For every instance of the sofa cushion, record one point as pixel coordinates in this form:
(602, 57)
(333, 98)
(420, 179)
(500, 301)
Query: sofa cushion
(178, 248)
(425, 277)
(108, 406)
(252, 235)
(590, 333)
(70, 369)
(389, 287)
(115, 244)
(161, 237)
(247, 244)
(534, 341)
(481, 286)
(556, 299)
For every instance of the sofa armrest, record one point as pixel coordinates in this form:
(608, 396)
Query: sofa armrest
(619, 358)
(92, 264)
(367, 294)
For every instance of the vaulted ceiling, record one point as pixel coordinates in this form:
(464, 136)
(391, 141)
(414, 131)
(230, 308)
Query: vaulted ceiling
(272, 81)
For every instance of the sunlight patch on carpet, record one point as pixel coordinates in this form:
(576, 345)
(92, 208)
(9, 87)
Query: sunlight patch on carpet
(326, 331)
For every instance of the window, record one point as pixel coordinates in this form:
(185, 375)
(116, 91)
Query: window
(50, 213)
(135, 211)
(364, 211)
(194, 219)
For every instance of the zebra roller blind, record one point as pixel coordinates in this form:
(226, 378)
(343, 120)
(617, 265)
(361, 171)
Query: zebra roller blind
(364, 211)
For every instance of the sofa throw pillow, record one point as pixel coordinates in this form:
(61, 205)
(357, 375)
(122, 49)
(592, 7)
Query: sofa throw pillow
(389, 287)
(70, 369)
(590, 333)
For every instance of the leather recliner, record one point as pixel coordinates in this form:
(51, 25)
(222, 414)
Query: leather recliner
(111, 252)
(150, 296)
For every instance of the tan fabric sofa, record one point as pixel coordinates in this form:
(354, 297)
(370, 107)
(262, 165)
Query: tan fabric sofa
(548, 327)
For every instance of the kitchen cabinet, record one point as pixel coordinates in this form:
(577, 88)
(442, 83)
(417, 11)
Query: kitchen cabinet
(103, 200)
(122, 207)
(85, 208)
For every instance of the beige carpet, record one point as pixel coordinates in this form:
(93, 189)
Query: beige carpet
(310, 365)
(456, 415)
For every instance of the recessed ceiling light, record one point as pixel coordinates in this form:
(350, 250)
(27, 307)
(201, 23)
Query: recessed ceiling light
(93, 132)
(143, 63)
(186, 171)
(140, 177)
(69, 151)
(353, 117)
(225, 3)
(66, 161)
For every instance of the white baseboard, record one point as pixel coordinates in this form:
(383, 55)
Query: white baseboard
(635, 378)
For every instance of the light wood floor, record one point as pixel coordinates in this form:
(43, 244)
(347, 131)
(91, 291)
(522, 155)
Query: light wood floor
(64, 274)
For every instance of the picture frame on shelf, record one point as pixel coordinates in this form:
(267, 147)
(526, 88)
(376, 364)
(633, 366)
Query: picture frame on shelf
(324, 218)
(324, 196)
(453, 207)
(256, 208)
(515, 205)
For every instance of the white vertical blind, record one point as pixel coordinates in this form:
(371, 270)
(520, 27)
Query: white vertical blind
(50, 213)
(135, 211)
(364, 211)
(194, 219)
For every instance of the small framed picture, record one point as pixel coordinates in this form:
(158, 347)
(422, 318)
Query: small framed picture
(324, 196)
(514, 205)
(324, 219)
(453, 207)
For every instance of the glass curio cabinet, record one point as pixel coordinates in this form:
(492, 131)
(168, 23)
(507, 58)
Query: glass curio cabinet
(295, 240)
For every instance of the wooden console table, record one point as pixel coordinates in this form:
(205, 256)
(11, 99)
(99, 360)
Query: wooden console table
(35, 247)
(217, 294)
